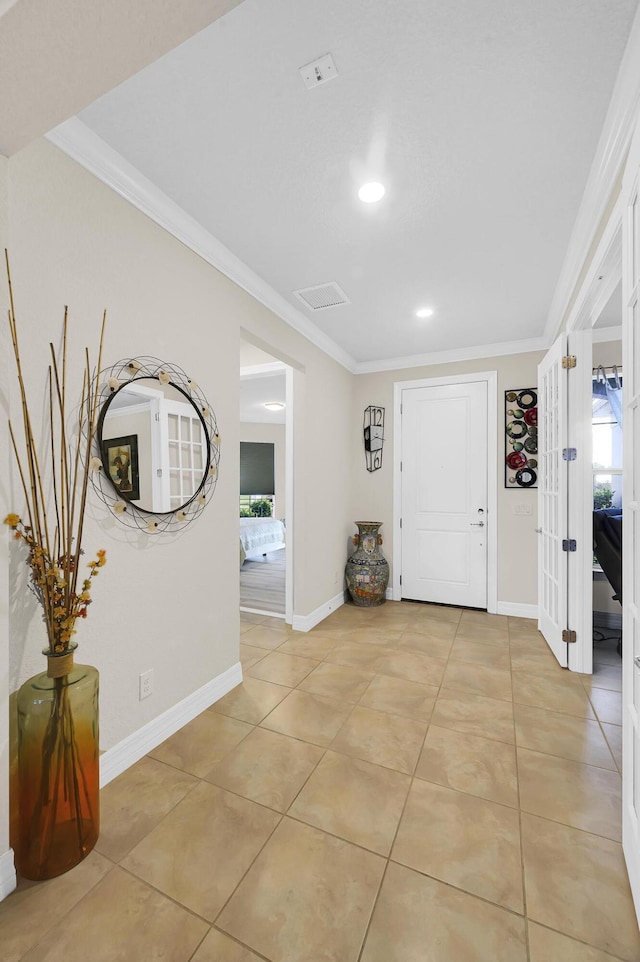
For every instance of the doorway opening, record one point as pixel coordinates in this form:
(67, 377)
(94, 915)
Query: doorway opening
(607, 448)
(264, 495)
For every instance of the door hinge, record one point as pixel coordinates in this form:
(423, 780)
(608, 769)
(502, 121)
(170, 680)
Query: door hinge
(569, 360)
(400, 579)
(569, 636)
(569, 454)
(401, 465)
(400, 409)
(569, 544)
(400, 522)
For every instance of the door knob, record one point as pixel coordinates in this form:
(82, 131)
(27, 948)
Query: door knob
(477, 524)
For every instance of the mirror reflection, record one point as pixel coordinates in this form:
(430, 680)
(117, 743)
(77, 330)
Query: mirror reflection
(154, 445)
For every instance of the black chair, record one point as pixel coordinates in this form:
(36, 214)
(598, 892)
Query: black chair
(607, 547)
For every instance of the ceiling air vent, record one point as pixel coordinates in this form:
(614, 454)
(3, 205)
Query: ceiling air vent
(321, 296)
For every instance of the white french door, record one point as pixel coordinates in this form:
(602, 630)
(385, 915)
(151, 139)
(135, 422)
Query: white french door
(187, 453)
(552, 499)
(631, 524)
(444, 493)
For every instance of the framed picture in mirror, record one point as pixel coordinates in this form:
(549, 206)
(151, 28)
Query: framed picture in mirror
(120, 457)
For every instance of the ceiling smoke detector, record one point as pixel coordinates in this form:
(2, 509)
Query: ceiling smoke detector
(322, 296)
(318, 72)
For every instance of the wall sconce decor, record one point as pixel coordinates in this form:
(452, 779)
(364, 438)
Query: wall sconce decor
(373, 436)
(521, 438)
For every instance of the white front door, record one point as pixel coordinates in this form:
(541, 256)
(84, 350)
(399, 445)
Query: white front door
(631, 524)
(444, 494)
(552, 499)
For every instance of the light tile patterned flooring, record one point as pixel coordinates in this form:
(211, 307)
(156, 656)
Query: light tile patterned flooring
(405, 784)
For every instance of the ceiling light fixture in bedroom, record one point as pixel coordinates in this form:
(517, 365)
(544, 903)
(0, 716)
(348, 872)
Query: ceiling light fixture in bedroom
(424, 312)
(274, 405)
(371, 193)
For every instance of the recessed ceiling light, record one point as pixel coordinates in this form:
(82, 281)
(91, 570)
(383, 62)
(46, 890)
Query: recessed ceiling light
(424, 312)
(274, 405)
(371, 193)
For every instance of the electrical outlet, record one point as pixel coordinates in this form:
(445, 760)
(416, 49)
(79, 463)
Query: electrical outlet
(146, 684)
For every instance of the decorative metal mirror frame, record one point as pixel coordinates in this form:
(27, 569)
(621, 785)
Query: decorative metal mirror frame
(110, 380)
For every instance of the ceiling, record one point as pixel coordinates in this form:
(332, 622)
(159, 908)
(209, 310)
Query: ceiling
(262, 379)
(481, 117)
(611, 314)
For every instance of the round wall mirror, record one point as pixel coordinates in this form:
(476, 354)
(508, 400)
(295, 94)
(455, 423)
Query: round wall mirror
(156, 442)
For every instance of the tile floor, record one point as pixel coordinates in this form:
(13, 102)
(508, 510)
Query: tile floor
(405, 784)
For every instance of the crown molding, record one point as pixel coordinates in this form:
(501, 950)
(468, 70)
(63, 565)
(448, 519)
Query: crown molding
(272, 369)
(450, 357)
(603, 334)
(80, 143)
(605, 173)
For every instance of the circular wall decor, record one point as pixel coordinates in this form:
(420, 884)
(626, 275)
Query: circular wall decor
(516, 429)
(156, 450)
(520, 437)
(526, 477)
(527, 399)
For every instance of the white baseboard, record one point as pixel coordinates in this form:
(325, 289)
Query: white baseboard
(517, 610)
(389, 594)
(307, 622)
(607, 619)
(8, 879)
(263, 611)
(131, 749)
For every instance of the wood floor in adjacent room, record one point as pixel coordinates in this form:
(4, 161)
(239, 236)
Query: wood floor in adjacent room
(262, 583)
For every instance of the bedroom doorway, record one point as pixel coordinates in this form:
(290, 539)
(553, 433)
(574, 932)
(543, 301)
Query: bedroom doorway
(264, 495)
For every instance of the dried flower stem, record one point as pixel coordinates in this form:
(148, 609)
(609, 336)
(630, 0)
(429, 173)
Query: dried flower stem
(54, 556)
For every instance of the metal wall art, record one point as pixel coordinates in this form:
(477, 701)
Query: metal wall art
(373, 436)
(157, 446)
(521, 438)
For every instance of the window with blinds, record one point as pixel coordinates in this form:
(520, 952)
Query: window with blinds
(256, 468)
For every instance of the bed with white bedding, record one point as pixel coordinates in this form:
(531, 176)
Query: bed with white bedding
(258, 536)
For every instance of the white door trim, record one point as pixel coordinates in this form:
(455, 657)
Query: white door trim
(580, 504)
(601, 279)
(288, 498)
(491, 379)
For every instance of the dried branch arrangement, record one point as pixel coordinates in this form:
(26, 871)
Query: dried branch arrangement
(54, 524)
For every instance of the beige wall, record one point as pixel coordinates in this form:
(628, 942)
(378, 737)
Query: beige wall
(4, 532)
(119, 424)
(607, 353)
(372, 495)
(271, 434)
(167, 603)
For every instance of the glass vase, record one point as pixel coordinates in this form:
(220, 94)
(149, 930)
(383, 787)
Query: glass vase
(58, 768)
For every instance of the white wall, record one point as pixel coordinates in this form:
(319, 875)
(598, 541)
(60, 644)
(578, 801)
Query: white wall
(120, 425)
(372, 494)
(167, 603)
(271, 434)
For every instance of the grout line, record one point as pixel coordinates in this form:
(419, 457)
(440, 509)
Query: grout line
(440, 691)
(520, 829)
